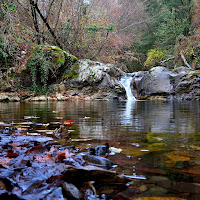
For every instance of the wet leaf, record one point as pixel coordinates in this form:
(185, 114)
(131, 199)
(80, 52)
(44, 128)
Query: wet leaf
(176, 158)
(116, 150)
(68, 122)
(11, 155)
(191, 171)
(64, 154)
(46, 158)
(35, 148)
(5, 162)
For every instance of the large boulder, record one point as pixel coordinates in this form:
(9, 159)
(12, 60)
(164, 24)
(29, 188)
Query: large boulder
(45, 65)
(157, 81)
(96, 78)
(180, 83)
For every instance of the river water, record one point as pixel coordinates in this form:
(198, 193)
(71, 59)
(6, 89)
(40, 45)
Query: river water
(159, 141)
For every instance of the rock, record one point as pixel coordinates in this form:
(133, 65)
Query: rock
(60, 97)
(143, 188)
(77, 175)
(6, 97)
(100, 149)
(128, 194)
(45, 65)
(188, 86)
(71, 191)
(100, 161)
(38, 98)
(101, 80)
(158, 81)
(157, 191)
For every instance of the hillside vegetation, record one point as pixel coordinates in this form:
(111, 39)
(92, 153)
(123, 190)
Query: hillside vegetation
(133, 34)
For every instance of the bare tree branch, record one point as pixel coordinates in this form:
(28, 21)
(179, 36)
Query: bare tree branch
(184, 60)
(45, 22)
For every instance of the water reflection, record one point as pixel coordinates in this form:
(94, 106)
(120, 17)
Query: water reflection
(156, 138)
(101, 119)
(127, 114)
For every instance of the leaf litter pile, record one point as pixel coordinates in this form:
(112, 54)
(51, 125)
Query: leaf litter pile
(35, 166)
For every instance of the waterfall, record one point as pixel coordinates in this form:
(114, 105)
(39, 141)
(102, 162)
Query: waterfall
(126, 82)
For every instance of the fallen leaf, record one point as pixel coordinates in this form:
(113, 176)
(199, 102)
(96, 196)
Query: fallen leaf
(11, 155)
(5, 162)
(116, 150)
(68, 122)
(64, 154)
(176, 158)
(191, 171)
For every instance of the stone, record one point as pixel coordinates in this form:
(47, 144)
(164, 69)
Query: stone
(97, 79)
(77, 175)
(37, 98)
(98, 160)
(71, 191)
(160, 83)
(56, 62)
(156, 82)
(6, 97)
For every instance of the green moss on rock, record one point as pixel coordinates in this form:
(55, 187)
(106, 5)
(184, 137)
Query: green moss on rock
(46, 64)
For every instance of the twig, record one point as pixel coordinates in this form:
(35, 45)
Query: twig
(163, 61)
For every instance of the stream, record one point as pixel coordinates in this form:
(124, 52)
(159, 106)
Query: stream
(155, 143)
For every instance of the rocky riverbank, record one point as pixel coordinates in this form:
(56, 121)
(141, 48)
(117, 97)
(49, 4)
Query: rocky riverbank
(89, 80)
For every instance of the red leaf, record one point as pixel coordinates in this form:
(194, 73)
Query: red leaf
(68, 122)
(12, 155)
(36, 147)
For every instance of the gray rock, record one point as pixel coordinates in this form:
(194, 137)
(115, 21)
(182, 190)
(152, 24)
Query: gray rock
(71, 191)
(181, 83)
(77, 175)
(157, 81)
(98, 160)
(6, 97)
(97, 78)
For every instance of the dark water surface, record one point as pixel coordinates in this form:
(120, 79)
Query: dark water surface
(159, 141)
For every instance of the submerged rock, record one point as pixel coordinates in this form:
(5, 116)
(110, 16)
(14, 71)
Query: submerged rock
(99, 161)
(100, 149)
(77, 175)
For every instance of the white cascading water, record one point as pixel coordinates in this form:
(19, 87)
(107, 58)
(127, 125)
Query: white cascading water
(126, 82)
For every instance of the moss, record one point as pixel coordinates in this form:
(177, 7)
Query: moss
(43, 64)
(70, 56)
(72, 72)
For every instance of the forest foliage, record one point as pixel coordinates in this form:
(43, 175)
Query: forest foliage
(124, 32)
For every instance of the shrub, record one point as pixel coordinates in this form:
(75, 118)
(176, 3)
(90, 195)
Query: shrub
(154, 57)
